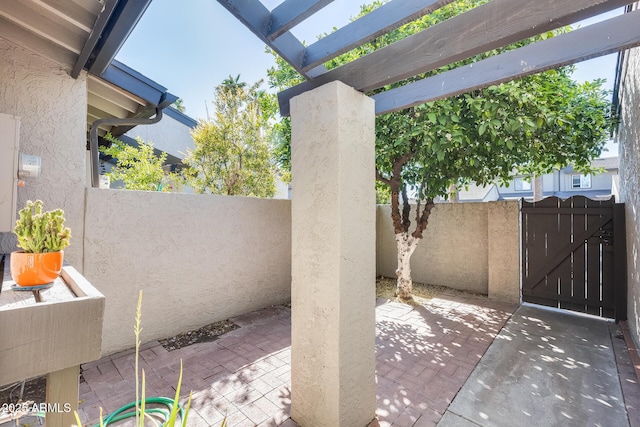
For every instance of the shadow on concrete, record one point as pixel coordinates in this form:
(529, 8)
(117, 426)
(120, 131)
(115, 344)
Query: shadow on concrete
(426, 353)
(544, 368)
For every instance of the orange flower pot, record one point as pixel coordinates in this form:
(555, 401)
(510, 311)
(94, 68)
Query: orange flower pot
(35, 269)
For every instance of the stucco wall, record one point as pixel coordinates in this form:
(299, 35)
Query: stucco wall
(52, 107)
(629, 143)
(455, 249)
(197, 258)
(458, 245)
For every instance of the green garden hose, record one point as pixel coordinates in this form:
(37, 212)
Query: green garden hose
(121, 414)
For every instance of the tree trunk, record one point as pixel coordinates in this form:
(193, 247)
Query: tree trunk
(538, 192)
(405, 242)
(406, 245)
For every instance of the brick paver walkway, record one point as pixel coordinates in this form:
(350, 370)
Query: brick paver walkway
(424, 355)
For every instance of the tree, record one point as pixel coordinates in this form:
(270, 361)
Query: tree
(233, 84)
(179, 105)
(232, 154)
(139, 167)
(530, 126)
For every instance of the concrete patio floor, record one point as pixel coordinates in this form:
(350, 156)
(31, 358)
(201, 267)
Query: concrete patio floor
(550, 368)
(424, 355)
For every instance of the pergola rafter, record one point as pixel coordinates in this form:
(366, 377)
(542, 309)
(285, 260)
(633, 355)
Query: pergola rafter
(380, 21)
(493, 25)
(606, 37)
(255, 16)
(290, 13)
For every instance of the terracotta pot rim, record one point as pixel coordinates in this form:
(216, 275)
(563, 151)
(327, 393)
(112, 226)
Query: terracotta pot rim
(22, 251)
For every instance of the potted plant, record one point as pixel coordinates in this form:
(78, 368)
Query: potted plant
(43, 237)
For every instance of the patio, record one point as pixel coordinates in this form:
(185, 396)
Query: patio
(457, 359)
(246, 373)
(424, 356)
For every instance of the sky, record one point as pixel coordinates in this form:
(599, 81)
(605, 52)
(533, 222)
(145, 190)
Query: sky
(191, 46)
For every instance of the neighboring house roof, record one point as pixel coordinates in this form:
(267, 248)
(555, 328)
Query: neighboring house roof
(86, 35)
(181, 117)
(607, 163)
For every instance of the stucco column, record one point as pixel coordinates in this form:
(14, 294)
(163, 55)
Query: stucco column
(333, 258)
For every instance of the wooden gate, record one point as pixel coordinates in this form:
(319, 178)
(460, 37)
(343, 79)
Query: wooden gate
(573, 255)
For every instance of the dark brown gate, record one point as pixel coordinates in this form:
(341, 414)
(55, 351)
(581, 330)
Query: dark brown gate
(573, 255)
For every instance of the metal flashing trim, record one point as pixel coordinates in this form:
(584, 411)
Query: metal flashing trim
(137, 84)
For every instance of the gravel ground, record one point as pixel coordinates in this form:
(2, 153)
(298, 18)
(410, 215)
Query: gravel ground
(386, 288)
(34, 391)
(204, 334)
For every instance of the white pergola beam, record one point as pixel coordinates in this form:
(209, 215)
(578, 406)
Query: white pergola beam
(612, 35)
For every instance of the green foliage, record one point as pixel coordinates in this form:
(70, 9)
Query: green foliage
(137, 330)
(172, 408)
(232, 155)
(141, 412)
(139, 167)
(179, 105)
(383, 194)
(39, 231)
(529, 126)
(281, 142)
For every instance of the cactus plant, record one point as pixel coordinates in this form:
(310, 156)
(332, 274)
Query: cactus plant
(40, 232)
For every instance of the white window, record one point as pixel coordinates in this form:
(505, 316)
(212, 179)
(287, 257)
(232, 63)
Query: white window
(580, 181)
(522, 183)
